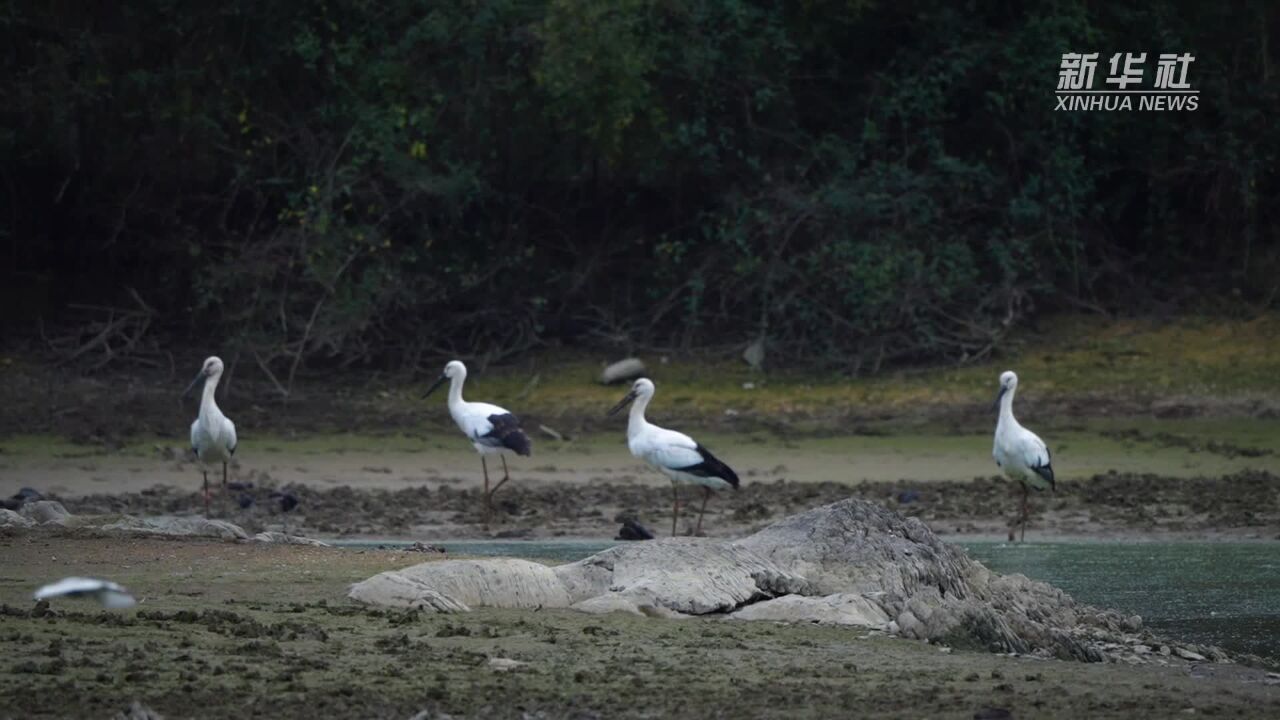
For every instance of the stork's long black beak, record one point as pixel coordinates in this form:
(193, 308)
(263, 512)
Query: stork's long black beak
(625, 402)
(996, 405)
(194, 383)
(439, 381)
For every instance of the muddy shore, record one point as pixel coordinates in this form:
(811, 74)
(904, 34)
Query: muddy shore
(231, 629)
(214, 632)
(1243, 505)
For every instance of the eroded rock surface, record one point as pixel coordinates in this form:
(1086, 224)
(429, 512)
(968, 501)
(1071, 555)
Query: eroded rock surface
(458, 585)
(837, 609)
(930, 589)
(46, 512)
(694, 576)
(11, 519)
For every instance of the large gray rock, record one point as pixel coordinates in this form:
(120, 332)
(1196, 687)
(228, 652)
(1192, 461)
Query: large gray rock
(175, 526)
(693, 576)
(459, 585)
(852, 562)
(46, 512)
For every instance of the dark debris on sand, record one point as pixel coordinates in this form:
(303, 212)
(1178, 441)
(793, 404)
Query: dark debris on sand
(1122, 502)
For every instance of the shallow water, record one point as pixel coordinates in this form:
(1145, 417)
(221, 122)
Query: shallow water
(1225, 594)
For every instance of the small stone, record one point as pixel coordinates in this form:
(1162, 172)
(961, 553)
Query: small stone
(46, 512)
(633, 530)
(505, 664)
(1186, 654)
(9, 518)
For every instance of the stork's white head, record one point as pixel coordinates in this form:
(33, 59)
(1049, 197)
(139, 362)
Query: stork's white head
(453, 370)
(212, 366)
(210, 370)
(1008, 380)
(642, 388)
(1008, 383)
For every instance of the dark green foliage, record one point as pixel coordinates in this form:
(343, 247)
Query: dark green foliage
(856, 181)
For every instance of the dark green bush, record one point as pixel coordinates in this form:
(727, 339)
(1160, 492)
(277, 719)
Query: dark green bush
(858, 182)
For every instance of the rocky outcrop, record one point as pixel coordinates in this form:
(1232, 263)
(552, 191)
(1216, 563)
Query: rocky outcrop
(175, 526)
(852, 563)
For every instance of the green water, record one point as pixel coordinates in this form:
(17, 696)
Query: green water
(1225, 594)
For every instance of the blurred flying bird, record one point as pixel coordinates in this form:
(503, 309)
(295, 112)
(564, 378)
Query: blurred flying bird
(109, 594)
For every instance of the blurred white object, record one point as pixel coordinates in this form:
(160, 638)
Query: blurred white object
(754, 354)
(106, 592)
(623, 370)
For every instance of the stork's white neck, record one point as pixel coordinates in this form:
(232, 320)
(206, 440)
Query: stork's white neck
(455, 389)
(635, 421)
(209, 406)
(1006, 410)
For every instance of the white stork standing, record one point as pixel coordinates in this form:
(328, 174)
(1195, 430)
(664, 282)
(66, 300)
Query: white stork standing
(1020, 453)
(213, 435)
(674, 454)
(491, 429)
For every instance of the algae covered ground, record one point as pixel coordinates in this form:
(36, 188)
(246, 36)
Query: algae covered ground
(1077, 367)
(235, 630)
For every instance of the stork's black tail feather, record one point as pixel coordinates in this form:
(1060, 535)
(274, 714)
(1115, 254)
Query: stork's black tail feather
(506, 430)
(518, 441)
(1046, 471)
(712, 467)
